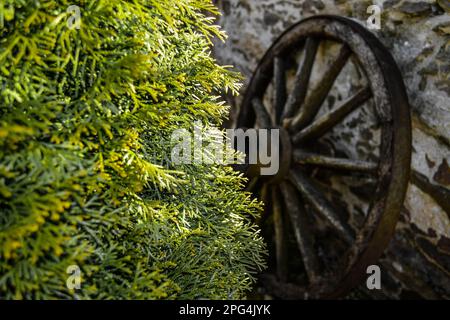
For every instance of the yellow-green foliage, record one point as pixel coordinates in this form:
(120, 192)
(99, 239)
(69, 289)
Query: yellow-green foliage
(85, 174)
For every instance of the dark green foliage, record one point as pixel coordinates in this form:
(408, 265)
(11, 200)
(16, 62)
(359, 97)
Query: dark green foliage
(85, 178)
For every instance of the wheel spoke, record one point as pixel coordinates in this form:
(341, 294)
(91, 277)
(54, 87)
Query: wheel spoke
(328, 121)
(298, 94)
(302, 233)
(301, 157)
(312, 105)
(279, 72)
(321, 204)
(280, 239)
(251, 184)
(264, 197)
(262, 115)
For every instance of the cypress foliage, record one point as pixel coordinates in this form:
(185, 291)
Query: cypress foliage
(85, 173)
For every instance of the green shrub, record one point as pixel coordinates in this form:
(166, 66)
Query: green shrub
(85, 174)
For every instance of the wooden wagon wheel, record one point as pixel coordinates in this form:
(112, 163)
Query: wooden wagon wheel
(297, 198)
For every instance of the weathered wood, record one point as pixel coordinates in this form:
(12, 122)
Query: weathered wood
(280, 237)
(312, 105)
(280, 91)
(252, 184)
(307, 158)
(321, 204)
(298, 94)
(302, 233)
(262, 115)
(328, 121)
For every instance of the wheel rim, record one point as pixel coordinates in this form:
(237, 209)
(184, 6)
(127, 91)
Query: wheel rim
(297, 113)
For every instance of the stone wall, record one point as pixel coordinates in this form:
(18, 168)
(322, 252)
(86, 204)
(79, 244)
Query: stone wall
(418, 35)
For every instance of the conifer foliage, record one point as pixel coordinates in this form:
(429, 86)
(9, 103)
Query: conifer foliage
(86, 180)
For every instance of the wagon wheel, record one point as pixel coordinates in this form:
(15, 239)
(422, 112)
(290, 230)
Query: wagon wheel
(299, 208)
